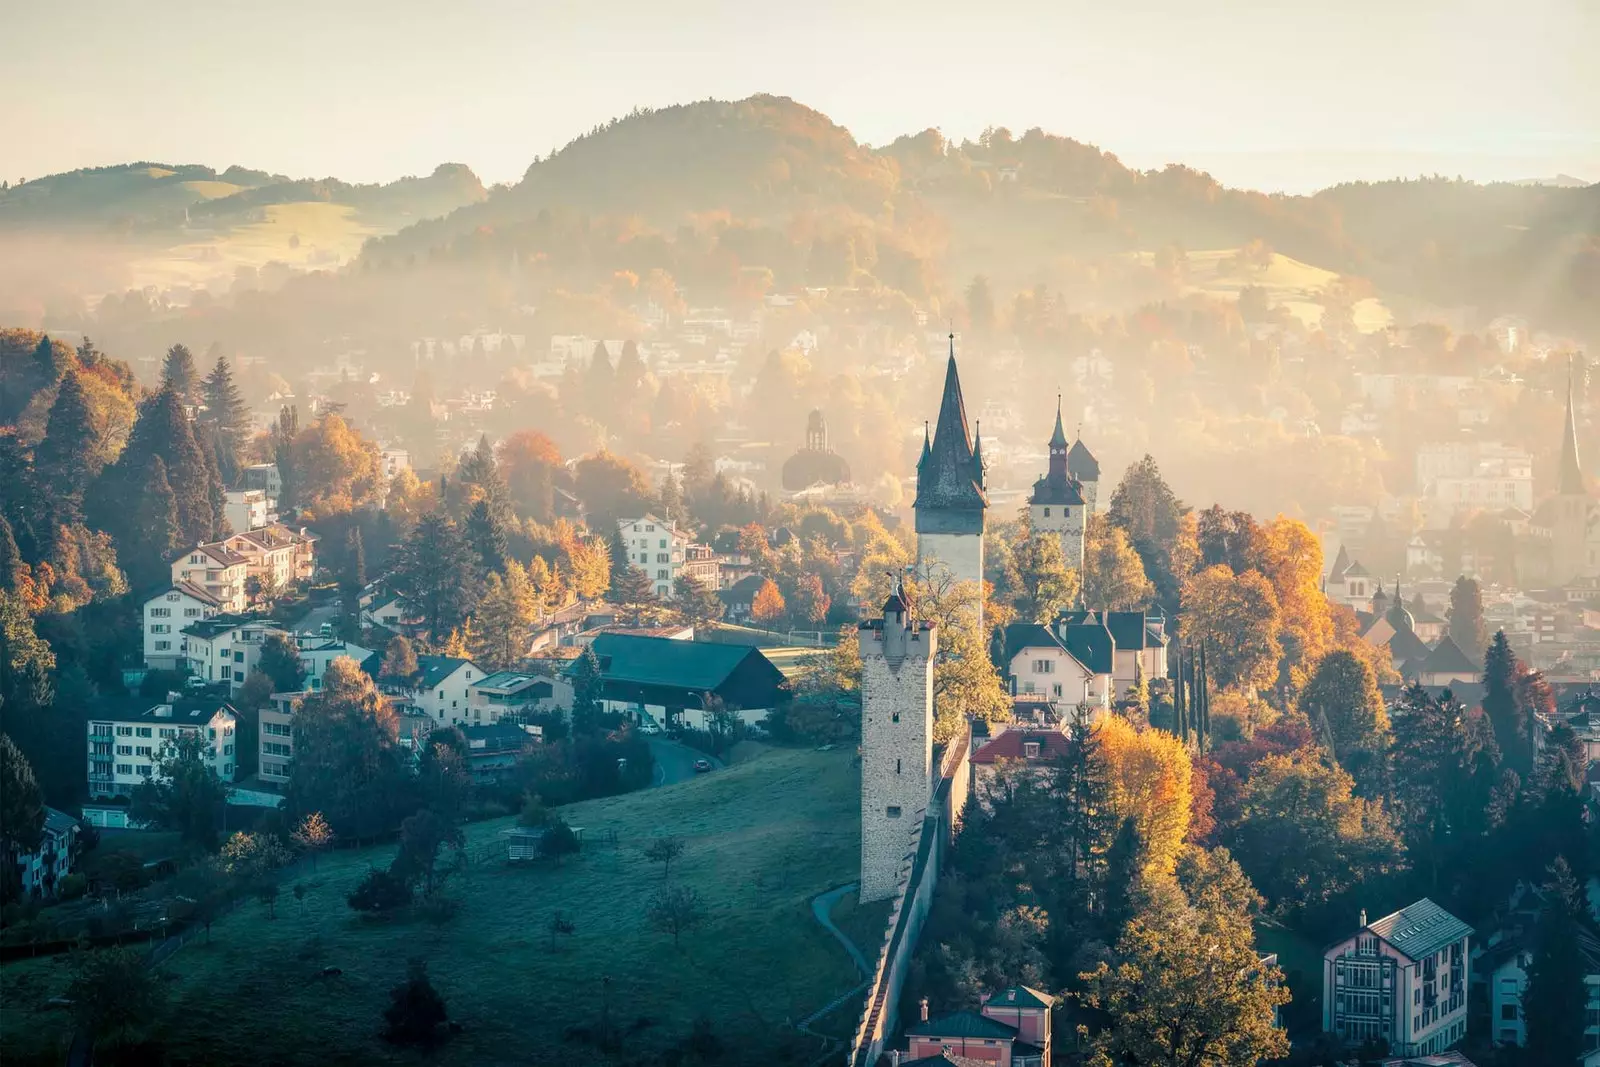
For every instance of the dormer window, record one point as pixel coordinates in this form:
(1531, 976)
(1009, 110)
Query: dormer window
(1030, 749)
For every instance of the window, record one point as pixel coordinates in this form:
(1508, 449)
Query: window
(663, 543)
(160, 613)
(226, 673)
(142, 731)
(124, 750)
(238, 655)
(167, 731)
(160, 628)
(124, 769)
(1508, 1013)
(163, 646)
(142, 750)
(897, 766)
(274, 748)
(227, 750)
(661, 574)
(1044, 666)
(145, 771)
(1047, 513)
(892, 811)
(650, 528)
(191, 613)
(1056, 690)
(124, 731)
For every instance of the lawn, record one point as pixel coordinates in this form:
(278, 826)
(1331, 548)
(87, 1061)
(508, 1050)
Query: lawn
(764, 837)
(1289, 283)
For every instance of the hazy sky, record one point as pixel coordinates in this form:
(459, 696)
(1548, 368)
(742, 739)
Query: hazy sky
(1277, 94)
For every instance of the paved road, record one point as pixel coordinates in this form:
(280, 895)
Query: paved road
(675, 762)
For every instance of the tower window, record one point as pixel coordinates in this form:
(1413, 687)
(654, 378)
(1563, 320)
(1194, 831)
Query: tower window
(1047, 513)
(897, 766)
(892, 811)
(895, 717)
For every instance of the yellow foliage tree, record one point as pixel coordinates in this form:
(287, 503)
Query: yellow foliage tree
(1293, 564)
(409, 499)
(1150, 777)
(768, 605)
(1113, 573)
(1236, 615)
(881, 554)
(338, 469)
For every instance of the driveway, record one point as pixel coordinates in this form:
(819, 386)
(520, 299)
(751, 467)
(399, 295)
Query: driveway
(675, 762)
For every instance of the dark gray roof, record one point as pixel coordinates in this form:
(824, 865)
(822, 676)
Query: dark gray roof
(1020, 996)
(1406, 647)
(698, 665)
(1051, 490)
(950, 473)
(1129, 629)
(1447, 657)
(431, 670)
(1092, 645)
(1082, 464)
(1420, 929)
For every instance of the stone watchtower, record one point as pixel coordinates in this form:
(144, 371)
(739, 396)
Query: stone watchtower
(1085, 469)
(896, 740)
(1057, 505)
(951, 499)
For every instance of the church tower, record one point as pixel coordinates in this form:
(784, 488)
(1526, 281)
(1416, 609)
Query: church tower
(1085, 469)
(951, 499)
(896, 740)
(1570, 527)
(1057, 505)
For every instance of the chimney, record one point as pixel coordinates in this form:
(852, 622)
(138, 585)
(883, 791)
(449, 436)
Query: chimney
(1363, 918)
(173, 696)
(922, 1008)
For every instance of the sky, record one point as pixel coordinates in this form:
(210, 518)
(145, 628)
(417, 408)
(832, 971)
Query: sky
(1288, 95)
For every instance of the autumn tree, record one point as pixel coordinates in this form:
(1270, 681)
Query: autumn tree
(1345, 690)
(676, 910)
(767, 606)
(313, 836)
(506, 614)
(1113, 573)
(611, 488)
(531, 465)
(1044, 583)
(1145, 508)
(1236, 616)
(399, 661)
(1291, 561)
(335, 468)
(588, 567)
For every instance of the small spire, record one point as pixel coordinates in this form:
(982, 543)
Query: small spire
(1058, 439)
(1570, 481)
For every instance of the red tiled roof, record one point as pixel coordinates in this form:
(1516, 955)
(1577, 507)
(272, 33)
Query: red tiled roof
(1052, 745)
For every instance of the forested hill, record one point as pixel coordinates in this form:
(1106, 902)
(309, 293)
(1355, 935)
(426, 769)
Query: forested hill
(148, 198)
(1007, 205)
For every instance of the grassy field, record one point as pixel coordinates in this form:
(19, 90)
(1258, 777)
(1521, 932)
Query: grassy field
(308, 235)
(1289, 283)
(764, 837)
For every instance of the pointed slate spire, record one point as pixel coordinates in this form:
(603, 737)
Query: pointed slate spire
(950, 476)
(927, 446)
(1571, 477)
(977, 451)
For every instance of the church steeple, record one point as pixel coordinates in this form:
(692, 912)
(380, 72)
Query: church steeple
(1570, 481)
(1058, 440)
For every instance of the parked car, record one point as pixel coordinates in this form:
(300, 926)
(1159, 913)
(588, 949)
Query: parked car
(649, 727)
(701, 766)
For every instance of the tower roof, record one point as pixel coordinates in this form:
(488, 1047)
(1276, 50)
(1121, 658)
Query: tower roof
(950, 475)
(1059, 438)
(1571, 477)
(1082, 464)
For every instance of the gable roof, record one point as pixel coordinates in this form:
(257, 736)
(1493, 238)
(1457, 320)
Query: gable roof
(698, 665)
(1405, 647)
(963, 1024)
(188, 589)
(1081, 463)
(1010, 745)
(1020, 636)
(431, 670)
(220, 552)
(1420, 929)
(1129, 629)
(1020, 996)
(1341, 563)
(1091, 644)
(1447, 657)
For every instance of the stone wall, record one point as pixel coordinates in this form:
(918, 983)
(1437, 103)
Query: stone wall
(961, 554)
(897, 772)
(926, 848)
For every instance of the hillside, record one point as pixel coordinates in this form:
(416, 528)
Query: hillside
(763, 837)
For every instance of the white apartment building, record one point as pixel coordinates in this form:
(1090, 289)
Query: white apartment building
(275, 754)
(441, 689)
(1508, 981)
(515, 693)
(125, 749)
(225, 648)
(217, 570)
(1475, 474)
(166, 614)
(247, 509)
(1402, 978)
(657, 547)
(41, 870)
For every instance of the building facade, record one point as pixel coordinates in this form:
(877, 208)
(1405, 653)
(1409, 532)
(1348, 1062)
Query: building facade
(657, 547)
(165, 616)
(1402, 979)
(218, 571)
(126, 749)
(897, 654)
(952, 501)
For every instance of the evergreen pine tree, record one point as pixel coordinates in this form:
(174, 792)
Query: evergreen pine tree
(1202, 703)
(10, 559)
(63, 458)
(1500, 704)
(227, 414)
(586, 683)
(487, 536)
(1467, 627)
(672, 499)
(1553, 1004)
(284, 433)
(178, 374)
(147, 536)
(1124, 880)
(434, 574)
(216, 495)
(163, 430)
(1086, 822)
(44, 356)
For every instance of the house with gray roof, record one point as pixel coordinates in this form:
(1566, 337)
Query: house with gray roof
(1402, 978)
(669, 681)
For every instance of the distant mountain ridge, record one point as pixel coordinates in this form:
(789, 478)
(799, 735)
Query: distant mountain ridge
(147, 197)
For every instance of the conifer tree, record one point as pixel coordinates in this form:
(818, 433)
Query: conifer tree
(50, 367)
(227, 414)
(1467, 627)
(1086, 822)
(147, 534)
(586, 685)
(163, 430)
(11, 564)
(178, 373)
(433, 573)
(70, 442)
(1501, 706)
(1553, 1004)
(487, 536)
(216, 495)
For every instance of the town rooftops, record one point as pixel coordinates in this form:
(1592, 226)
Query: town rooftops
(206, 629)
(1092, 645)
(507, 683)
(1024, 635)
(968, 1024)
(220, 553)
(431, 670)
(1012, 745)
(1130, 629)
(1420, 929)
(180, 712)
(57, 822)
(661, 661)
(188, 589)
(1446, 658)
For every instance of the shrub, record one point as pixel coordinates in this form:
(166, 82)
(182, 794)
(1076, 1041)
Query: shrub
(379, 892)
(73, 886)
(416, 1010)
(534, 812)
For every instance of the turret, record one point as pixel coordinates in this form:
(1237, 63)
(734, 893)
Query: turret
(952, 501)
(1057, 504)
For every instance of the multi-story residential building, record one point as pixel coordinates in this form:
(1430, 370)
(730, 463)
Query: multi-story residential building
(657, 547)
(216, 569)
(275, 755)
(515, 693)
(225, 648)
(1010, 1029)
(247, 509)
(440, 689)
(315, 656)
(42, 869)
(166, 614)
(270, 554)
(126, 748)
(1507, 965)
(702, 565)
(1402, 979)
(263, 476)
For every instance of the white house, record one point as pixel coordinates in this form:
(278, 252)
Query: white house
(515, 693)
(166, 614)
(1070, 665)
(225, 648)
(657, 547)
(1508, 965)
(270, 554)
(315, 659)
(217, 570)
(124, 749)
(41, 870)
(1402, 978)
(391, 614)
(247, 509)
(440, 689)
(275, 754)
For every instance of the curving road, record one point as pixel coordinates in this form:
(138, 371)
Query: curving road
(675, 762)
